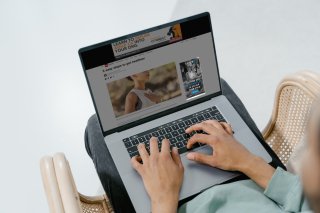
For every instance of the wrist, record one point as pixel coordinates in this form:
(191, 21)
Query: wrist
(249, 164)
(258, 170)
(165, 204)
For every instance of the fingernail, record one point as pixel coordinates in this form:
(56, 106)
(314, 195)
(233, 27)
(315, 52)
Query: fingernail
(190, 156)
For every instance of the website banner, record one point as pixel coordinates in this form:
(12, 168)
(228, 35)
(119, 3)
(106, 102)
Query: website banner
(147, 41)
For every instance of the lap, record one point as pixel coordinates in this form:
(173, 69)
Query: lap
(107, 171)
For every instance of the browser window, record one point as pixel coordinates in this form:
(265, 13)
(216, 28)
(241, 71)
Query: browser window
(150, 72)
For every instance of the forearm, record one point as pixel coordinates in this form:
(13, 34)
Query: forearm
(258, 170)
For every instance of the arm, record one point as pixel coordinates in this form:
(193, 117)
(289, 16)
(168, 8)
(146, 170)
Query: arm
(131, 101)
(280, 186)
(153, 97)
(162, 175)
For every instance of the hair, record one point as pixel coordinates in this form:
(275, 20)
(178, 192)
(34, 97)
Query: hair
(129, 78)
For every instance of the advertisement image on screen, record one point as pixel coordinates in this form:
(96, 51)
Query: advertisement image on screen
(192, 77)
(144, 89)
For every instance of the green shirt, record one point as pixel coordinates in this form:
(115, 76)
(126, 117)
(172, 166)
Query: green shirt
(283, 194)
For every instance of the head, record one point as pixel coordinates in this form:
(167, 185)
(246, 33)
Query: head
(311, 160)
(140, 77)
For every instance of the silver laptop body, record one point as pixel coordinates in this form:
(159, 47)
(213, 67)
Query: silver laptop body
(184, 51)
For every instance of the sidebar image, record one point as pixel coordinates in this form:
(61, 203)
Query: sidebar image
(192, 77)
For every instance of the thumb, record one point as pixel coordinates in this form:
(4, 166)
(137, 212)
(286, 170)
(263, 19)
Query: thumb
(201, 158)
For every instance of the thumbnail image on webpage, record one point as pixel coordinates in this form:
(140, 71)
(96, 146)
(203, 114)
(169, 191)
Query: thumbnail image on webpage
(192, 77)
(144, 89)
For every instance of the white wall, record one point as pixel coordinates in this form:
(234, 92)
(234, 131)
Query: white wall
(45, 101)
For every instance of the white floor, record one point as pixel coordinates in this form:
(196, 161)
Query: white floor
(45, 101)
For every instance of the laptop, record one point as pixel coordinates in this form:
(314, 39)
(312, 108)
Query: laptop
(157, 82)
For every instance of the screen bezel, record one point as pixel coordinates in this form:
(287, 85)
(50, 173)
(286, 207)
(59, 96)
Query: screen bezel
(162, 113)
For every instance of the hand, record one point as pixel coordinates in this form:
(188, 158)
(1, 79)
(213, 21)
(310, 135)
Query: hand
(228, 153)
(162, 174)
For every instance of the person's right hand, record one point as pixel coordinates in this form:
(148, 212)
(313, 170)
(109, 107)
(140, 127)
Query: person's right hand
(228, 153)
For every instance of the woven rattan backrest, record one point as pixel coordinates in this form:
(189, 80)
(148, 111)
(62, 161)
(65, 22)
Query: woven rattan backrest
(294, 99)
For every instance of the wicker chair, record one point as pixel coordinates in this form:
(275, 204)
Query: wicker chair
(294, 98)
(61, 191)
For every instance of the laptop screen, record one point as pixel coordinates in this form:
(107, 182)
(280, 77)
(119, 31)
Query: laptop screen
(151, 71)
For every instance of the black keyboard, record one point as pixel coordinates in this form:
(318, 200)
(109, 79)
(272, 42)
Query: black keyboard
(173, 131)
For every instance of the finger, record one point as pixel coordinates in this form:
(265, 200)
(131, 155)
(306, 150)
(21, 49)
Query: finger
(136, 164)
(165, 146)
(227, 127)
(176, 157)
(154, 146)
(214, 123)
(201, 138)
(202, 126)
(201, 158)
(143, 152)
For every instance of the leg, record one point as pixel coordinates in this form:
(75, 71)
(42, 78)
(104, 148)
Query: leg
(107, 172)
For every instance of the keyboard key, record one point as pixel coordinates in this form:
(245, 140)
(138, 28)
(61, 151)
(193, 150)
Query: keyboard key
(126, 140)
(185, 142)
(173, 140)
(174, 133)
(155, 134)
(133, 137)
(200, 118)
(141, 139)
(181, 131)
(168, 136)
(162, 132)
(175, 127)
(181, 125)
(213, 113)
(220, 117)
(194, 120)
(160, 138)
(132, 149)
(148, 136)
(206, 115)
(180, 145)
(186, 136)
(168, 129)
(180, 138)
(128, 144)
(188, 122)
(135, 142)
(133, 154)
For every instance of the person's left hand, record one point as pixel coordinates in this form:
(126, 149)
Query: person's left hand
(162, 174)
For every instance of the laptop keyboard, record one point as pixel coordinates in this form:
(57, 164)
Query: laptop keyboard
(173, 131)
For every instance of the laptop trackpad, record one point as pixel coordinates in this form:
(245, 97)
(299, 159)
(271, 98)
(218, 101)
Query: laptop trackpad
(198, 177)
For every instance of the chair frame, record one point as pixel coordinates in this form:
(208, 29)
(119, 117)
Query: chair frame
(306, 80)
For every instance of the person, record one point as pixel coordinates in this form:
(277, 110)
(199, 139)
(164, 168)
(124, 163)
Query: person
(139, 97)
(269, 189)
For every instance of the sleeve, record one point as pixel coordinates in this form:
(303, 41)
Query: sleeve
(286, 190)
